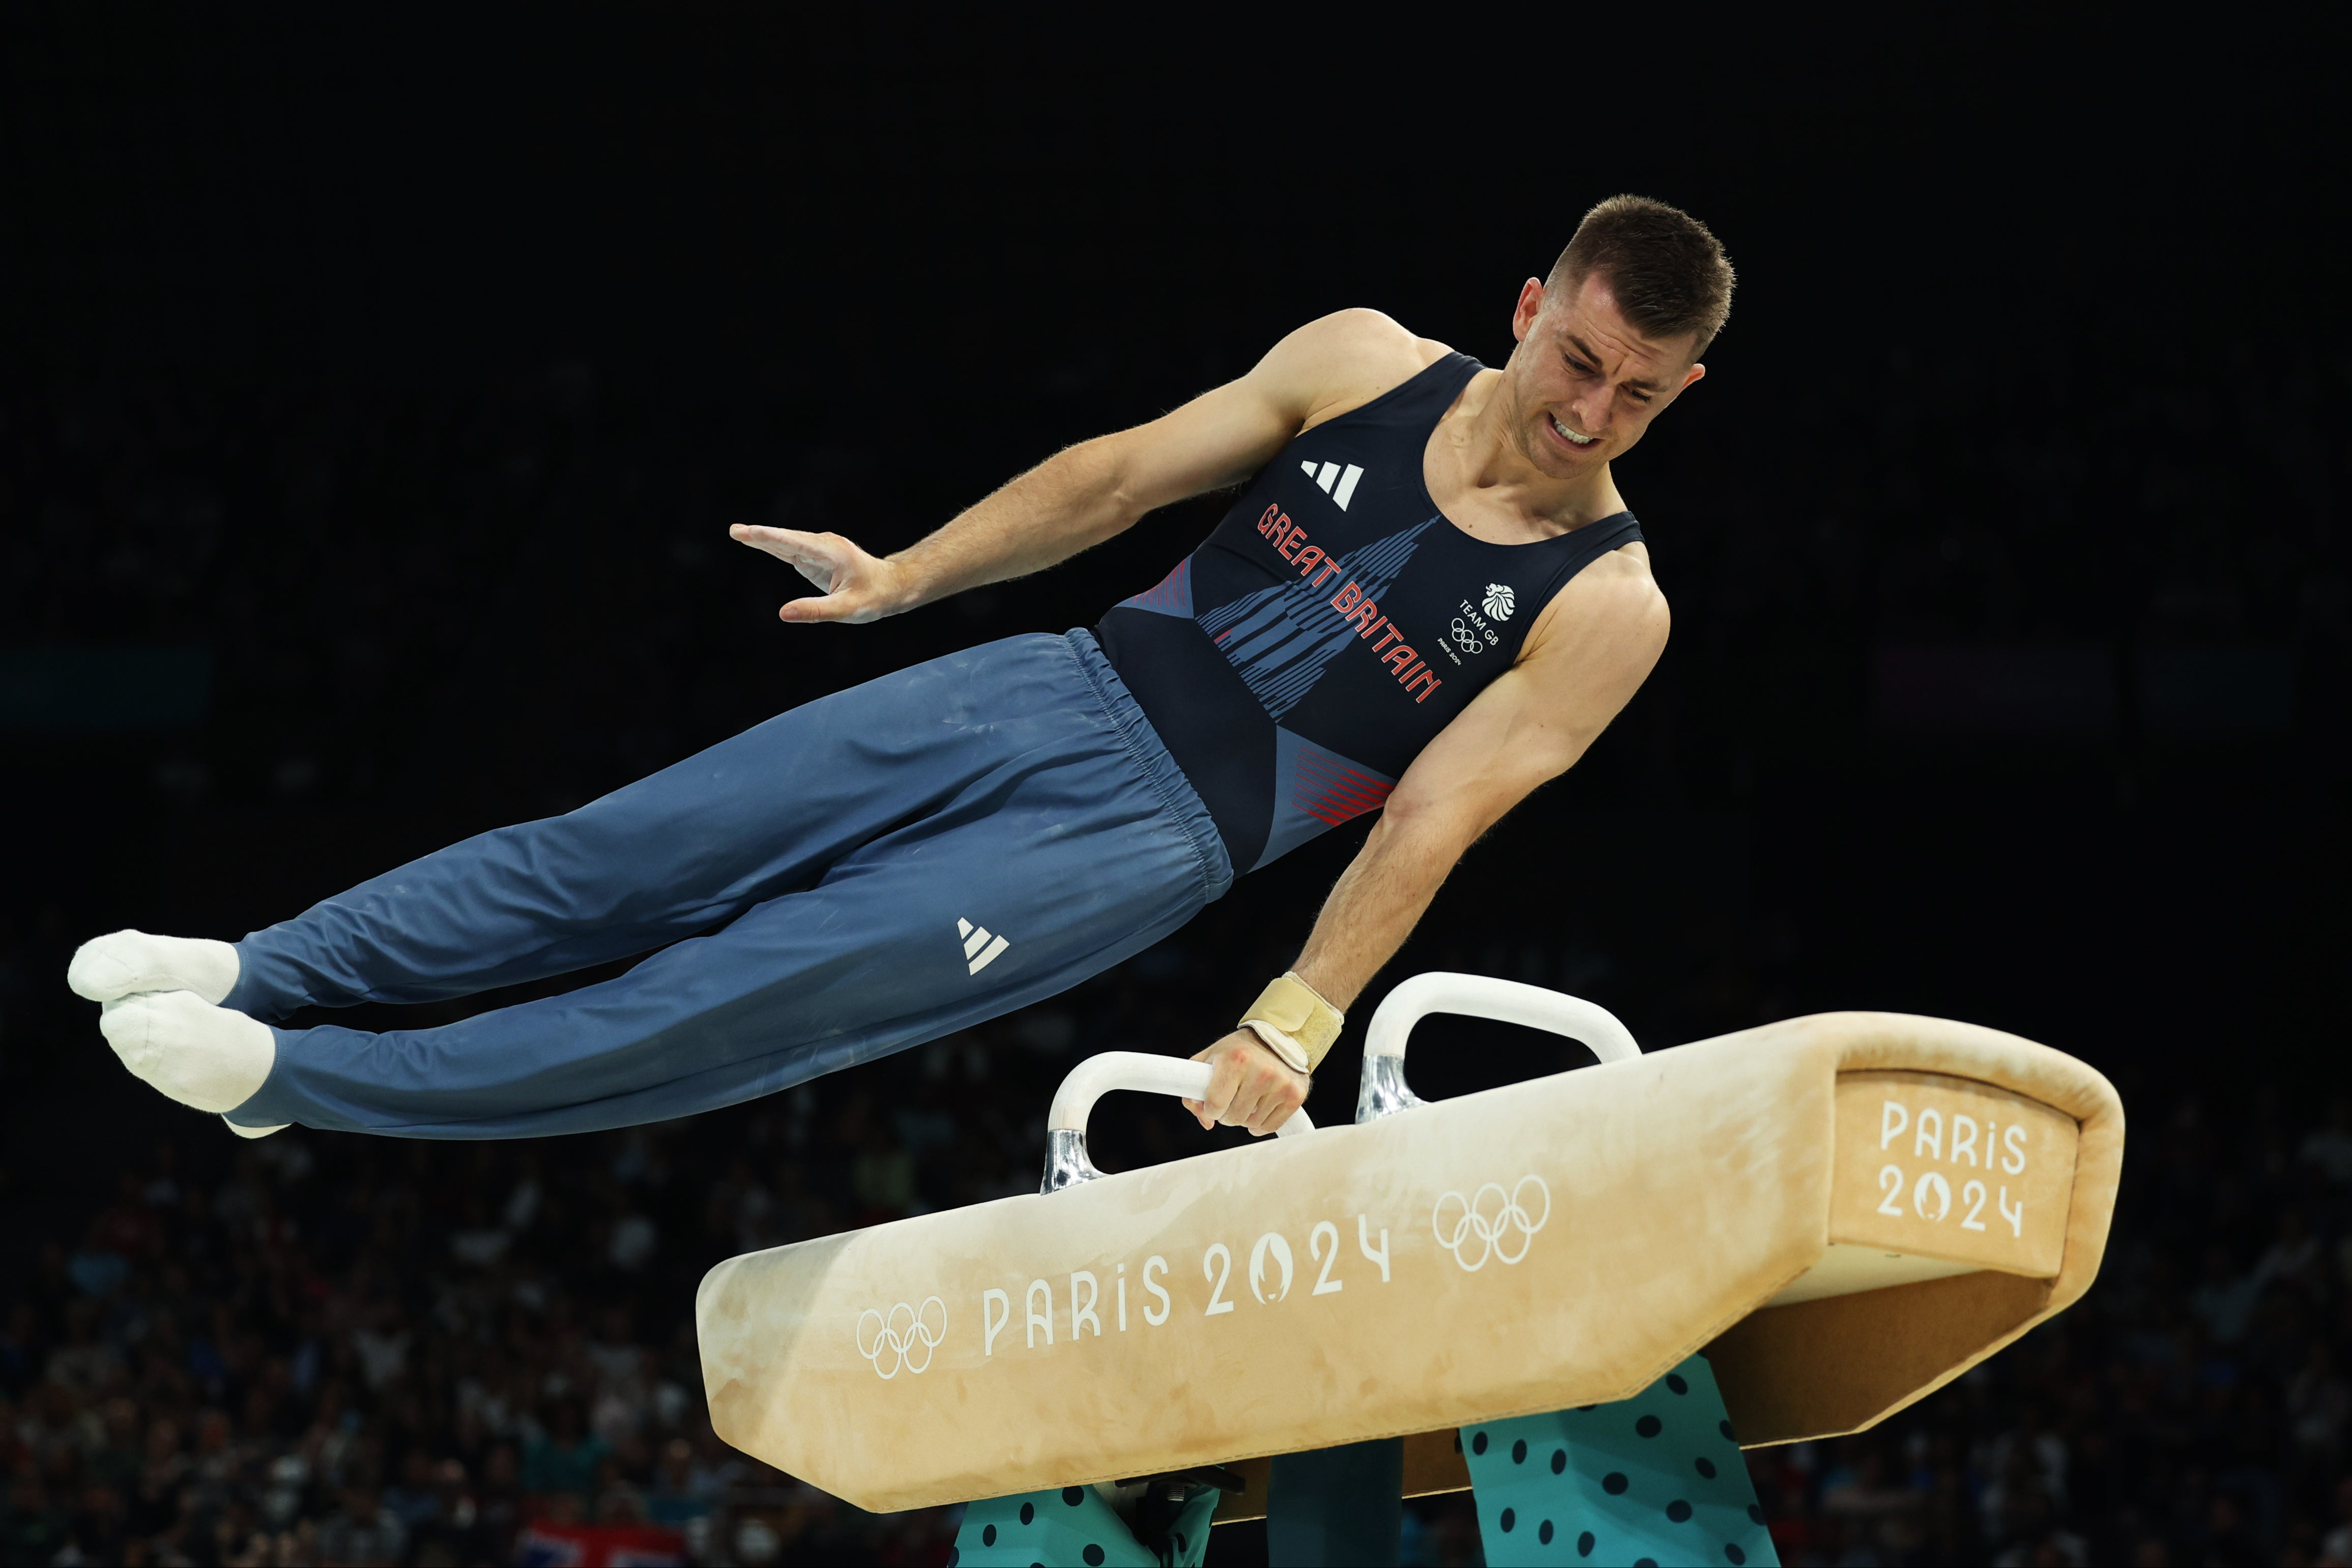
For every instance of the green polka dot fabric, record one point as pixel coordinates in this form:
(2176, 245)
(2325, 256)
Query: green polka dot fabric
(1073, 1526)
(1651, 1479)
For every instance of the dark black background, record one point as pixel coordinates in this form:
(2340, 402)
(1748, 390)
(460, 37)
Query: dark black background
(406, 372)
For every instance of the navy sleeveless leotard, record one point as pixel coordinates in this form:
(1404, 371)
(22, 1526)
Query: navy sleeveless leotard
(1332, 624)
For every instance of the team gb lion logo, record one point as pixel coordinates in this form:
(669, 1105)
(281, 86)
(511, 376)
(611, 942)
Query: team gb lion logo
(1500, 600)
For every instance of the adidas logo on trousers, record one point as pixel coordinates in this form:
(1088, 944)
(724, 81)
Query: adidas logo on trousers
(978, 946)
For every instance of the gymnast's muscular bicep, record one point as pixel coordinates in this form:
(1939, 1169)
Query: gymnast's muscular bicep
(1535, 722)
(1230, 432)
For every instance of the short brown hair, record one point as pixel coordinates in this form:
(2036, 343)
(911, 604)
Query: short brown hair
(1669, 274)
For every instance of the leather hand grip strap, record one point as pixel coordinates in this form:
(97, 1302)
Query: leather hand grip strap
(1294, 1021)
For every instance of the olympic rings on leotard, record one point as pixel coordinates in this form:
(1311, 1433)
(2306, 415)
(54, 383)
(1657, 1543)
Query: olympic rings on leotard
(1492, 1236)
(898, 1343)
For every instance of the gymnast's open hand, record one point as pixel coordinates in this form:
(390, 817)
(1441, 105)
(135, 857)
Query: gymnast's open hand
(856, 586)
(1249, 1085)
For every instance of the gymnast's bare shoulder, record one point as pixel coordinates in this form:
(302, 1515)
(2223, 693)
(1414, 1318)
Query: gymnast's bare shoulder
(1317, 373)
(1343, 361)
(1616, 599)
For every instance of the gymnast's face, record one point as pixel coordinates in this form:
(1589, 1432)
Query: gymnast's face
(1584, 383)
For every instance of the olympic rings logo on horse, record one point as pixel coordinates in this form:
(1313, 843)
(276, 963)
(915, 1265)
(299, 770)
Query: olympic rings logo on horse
(899, 1342)
(1493, 1237)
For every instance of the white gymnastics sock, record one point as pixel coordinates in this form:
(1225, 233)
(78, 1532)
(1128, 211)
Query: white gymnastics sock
(129, 962)
(200, 1055)
(253, 1131)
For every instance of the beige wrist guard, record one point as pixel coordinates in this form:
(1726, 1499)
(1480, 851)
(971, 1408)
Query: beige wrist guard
(1294, 1021)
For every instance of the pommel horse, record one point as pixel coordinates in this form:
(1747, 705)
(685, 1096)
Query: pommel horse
(1568, 1294)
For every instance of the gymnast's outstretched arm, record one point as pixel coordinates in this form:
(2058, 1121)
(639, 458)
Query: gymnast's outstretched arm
(1087, 493)
(1597, 642)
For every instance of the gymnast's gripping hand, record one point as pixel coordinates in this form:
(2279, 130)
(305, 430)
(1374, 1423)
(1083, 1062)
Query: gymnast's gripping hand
(1248, 1086)
(857, 586)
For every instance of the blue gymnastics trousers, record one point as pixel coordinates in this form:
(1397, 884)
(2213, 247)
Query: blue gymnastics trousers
(872, 870)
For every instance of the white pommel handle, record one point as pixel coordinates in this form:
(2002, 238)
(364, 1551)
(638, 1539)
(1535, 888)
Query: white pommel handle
(1506, 1001)
(1099, 1075)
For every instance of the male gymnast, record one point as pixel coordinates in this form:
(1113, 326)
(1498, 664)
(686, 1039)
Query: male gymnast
(1428, 600)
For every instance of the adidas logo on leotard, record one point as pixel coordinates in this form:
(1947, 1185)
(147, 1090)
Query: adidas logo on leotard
(978, 946)
(1323, 474)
